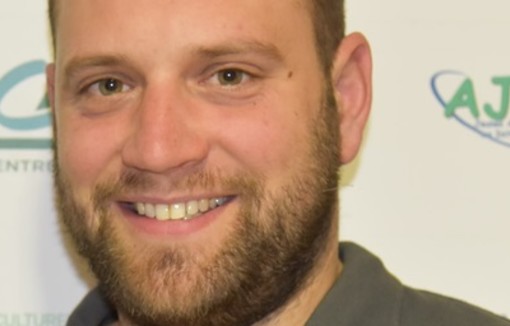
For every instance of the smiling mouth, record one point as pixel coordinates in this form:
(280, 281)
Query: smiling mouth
(177, 211)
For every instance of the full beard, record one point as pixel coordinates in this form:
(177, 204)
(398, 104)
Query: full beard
(268, 256)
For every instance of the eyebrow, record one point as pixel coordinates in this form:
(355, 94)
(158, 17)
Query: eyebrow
(75, 65)
(267, 50)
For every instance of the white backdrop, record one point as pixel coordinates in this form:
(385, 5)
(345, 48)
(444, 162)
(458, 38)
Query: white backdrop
(429, 194)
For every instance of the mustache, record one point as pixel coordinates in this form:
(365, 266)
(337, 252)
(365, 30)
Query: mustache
(135, 181)
(143, 181)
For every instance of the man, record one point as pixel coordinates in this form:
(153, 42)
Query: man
(197, 150)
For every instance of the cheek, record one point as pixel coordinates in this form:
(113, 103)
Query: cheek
(85, 149)
(273, 148)
(267, 142)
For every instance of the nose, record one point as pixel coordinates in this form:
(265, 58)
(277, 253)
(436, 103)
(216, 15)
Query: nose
(165, 133)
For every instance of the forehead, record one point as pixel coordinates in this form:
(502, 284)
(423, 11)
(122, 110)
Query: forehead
(67, 12)
(168, 25)
(56, 5)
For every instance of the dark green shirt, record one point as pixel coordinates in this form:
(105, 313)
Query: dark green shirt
(367, 295)
(364, 295)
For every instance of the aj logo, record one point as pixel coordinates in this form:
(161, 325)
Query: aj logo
(456, 93)
(17, 123)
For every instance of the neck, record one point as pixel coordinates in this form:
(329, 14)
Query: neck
(301, 307)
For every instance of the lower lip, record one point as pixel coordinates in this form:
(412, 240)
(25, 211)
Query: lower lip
(154, 227)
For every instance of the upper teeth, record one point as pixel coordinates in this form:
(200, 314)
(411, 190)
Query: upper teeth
(178, 211)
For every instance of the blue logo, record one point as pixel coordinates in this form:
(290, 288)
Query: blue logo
(21, 123)
(456, 93)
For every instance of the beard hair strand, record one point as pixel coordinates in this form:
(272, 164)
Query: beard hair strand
(266, 259)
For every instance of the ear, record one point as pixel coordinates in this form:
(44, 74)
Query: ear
(50, 84)
(50, 89)
(352, 83)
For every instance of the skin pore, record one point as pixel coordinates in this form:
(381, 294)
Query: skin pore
(176, 101)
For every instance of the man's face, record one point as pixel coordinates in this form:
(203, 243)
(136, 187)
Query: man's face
(196, 155)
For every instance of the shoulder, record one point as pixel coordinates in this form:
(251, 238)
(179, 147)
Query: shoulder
(424, 308)
(93, 310)
(366, 293)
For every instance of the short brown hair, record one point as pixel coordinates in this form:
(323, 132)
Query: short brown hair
(327, 17)
(52, 15)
